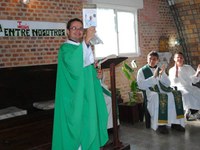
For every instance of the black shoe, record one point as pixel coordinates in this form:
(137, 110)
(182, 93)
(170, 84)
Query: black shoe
(192, 117)
(178, 127)
(162, 129)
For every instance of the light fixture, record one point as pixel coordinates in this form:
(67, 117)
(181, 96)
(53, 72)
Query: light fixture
(175, 41)
(25, 1)
(178, 41)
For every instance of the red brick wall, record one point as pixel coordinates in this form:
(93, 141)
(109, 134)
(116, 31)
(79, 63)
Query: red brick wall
(22, 51)
(189, 12)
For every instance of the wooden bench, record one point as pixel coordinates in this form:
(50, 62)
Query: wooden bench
(20, 87)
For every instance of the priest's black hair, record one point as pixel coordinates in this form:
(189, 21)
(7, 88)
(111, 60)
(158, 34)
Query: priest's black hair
(72, 20)
(153, 53)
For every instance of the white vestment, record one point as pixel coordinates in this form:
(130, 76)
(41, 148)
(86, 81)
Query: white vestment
(190, 93)
(108, 100)
(153, 99)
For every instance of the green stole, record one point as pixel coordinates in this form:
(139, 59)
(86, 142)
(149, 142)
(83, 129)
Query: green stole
(163, 98)
(80, 115)
(105, 91)
(108, 93)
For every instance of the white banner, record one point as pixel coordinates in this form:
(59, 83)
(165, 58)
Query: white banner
(31, 28)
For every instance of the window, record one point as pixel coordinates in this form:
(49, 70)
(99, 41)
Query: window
(118, 31)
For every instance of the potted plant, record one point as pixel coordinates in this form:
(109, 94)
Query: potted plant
(129, 74)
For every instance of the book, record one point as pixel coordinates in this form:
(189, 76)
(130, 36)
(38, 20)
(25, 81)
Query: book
(108, 57)
(89, 16)
(90, 20)
(10, 112)
(101, 61)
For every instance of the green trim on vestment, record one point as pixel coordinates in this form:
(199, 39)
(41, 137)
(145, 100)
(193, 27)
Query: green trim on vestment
(163, 98)
(105, 91)
(155, 88)
(178, 104)
(164, 88)
(108, 93)
(163, 108)
(177, 99)
(80, 116)
(147, 72)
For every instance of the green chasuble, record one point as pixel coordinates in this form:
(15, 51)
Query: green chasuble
(80, 116)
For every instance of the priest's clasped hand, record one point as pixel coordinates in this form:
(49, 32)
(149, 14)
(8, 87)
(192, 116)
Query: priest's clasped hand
(158, 72)
(198, 71)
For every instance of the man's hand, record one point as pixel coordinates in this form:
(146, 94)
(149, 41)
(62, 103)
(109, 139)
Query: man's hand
(90, 32)
(159, 71)
(176, 74)
(162, 69)
(99, 73)
(198, 71)
(156, 73)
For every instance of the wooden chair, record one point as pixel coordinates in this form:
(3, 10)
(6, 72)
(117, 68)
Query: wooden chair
(146, 114)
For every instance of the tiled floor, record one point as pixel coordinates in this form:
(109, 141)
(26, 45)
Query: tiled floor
(141, 138)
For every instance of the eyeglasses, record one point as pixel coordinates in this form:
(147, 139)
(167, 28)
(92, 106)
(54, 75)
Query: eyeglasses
(75, 28)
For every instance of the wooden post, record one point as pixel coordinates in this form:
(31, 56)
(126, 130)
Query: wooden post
(116, 142)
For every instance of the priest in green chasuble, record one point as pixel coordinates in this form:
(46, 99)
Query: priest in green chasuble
(163, 103)
(80, 116)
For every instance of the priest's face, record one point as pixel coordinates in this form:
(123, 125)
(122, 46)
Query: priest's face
(152, 60)
(75, 32)
(179, 60)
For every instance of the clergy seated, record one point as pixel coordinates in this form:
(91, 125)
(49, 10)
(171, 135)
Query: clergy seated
(162, 102)
(186, 78)
(164, 118)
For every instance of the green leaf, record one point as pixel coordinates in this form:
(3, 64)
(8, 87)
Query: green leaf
(126, 73)
(133, 86)
(128, 68)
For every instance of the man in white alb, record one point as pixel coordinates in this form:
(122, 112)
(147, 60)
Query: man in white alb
(163, 103)
(184, 78)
